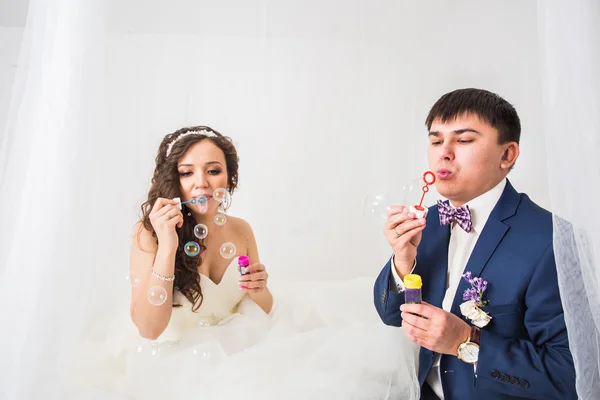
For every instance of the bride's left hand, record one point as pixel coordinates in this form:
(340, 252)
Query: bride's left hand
(255, 281)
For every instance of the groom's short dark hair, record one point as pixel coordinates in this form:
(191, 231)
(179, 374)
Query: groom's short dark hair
(488, 106)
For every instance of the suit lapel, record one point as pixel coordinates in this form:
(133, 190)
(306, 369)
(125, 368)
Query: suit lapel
(488, 240)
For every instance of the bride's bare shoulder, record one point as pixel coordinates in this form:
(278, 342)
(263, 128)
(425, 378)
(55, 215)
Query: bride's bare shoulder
(239, 224)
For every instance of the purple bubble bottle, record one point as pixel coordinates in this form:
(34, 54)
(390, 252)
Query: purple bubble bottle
(412, 291)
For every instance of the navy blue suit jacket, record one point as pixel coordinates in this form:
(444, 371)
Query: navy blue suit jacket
(524, 350)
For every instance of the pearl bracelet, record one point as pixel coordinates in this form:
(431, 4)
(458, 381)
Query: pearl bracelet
(163, 278)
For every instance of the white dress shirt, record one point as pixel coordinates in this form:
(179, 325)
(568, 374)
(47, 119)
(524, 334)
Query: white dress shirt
(459, 250)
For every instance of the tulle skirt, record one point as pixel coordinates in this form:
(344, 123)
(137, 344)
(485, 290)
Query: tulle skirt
(321, 341)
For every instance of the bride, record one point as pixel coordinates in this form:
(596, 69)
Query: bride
(202, 329)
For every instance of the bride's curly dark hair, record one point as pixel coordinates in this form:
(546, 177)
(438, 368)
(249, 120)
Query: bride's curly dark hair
(165, 183)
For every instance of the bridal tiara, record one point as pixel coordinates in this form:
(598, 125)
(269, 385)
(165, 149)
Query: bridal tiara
(204, 132)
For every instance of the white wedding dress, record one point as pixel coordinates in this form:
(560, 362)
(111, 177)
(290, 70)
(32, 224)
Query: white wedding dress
(321, 341)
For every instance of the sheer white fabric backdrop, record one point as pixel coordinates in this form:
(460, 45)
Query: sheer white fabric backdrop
(570, 51)
(46, 196)
(55, 172)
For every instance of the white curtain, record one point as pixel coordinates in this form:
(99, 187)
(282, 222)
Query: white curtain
(47, 201)
(51, 205)
(569, 33)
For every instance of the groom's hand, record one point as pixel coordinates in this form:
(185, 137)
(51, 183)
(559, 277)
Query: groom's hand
(403, 232)
(439, 330)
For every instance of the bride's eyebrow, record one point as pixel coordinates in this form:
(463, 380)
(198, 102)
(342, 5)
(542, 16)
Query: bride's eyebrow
(207, 163)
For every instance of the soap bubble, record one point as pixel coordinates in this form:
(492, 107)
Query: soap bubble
(376, 205)
(228, 250)
(157, 295)
(191, 249)
(200, 231)
(133, 279)
(220, 219)
(222, 196)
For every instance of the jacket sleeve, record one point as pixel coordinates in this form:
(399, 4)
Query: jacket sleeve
(387, 301)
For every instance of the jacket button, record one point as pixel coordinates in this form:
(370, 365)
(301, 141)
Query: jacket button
(495, 374)
(514, 381)
(504, 378)
(524, 384)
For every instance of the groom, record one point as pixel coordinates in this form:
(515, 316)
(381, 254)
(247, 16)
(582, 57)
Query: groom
(490, 231)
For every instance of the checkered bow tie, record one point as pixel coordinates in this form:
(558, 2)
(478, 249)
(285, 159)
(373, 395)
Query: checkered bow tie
(460, 215)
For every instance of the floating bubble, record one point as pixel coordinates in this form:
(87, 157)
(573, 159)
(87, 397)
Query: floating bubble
(412, 192)
(200, 231)
(220, 219)
(219, 194)
(157, 295)
(200, 353)
(133, 279)
(222, 196)
(228, 250)
(376, 205)
(191, 249)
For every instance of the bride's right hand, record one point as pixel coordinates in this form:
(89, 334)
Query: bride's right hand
(164, 217)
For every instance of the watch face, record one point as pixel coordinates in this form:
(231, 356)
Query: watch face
(469, 353)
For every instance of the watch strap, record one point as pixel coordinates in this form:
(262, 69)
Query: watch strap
(475, 336)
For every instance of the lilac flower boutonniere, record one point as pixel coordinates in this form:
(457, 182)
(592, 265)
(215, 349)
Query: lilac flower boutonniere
(474, 300)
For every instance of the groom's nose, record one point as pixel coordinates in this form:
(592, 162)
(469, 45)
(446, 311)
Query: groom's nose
(446, 151)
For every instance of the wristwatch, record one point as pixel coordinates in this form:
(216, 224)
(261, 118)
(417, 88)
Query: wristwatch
(468, 351)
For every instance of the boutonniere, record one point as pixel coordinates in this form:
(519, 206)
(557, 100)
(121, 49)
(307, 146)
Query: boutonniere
(473, 301)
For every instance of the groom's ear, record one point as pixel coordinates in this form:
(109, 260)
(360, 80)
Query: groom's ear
(510, 155)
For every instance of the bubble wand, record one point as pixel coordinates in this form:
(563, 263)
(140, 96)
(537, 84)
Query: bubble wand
(419, 210)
